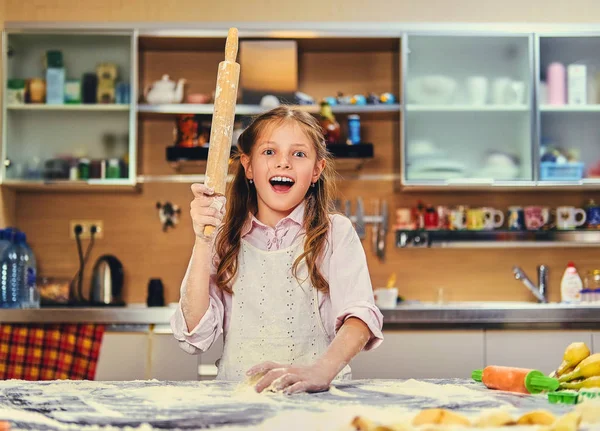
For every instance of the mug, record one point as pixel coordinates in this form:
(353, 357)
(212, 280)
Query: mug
(477, 90)
(536, 217)
(593, 216)
(493, 218)
(475, 219)
(444, 217)
(457, 219)
(404, 219)
(566, 217)
(500, 89)
(516, 218)
(431, 219)
(386, 297)
(515, 93)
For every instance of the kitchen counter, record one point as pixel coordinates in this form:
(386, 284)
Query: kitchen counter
(451, 315)
(490, 315)
(152, 404)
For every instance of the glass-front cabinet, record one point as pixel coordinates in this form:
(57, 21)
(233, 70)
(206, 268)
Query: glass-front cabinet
(568, 90)
(68, 110)
(468, 109)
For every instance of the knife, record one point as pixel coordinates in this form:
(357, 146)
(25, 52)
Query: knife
(382, 231)
(375, 228)
(347, 209)
(337, 204)
(360, 218)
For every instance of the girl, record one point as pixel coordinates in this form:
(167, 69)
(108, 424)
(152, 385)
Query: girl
(285, 280)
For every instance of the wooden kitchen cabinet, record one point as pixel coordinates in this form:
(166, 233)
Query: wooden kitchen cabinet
(571, 124)
(207, 369)
(169, 361)
(595, 342)
(422, 354)
(540, 350)
(123, 356)
(468, 109)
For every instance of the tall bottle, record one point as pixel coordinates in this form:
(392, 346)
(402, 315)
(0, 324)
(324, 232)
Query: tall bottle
(331, 128)
(571, 285)
(11, 274)
(30, 297)
(4, 240)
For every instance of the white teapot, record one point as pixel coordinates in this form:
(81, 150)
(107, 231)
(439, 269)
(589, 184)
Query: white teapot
(164, 91)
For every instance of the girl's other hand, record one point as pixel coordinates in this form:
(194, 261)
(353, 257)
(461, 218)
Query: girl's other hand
(206, 209)
(291, 379)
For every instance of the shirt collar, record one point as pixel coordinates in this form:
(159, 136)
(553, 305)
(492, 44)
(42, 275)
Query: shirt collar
(296, 216)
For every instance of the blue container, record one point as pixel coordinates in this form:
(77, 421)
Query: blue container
(11, 274)
(55, 86)
(30, 295)
(551, 171)
(354, 129)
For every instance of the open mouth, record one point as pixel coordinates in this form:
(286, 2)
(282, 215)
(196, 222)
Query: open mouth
(281, 184)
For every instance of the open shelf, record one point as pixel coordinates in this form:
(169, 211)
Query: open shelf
(121, 184)
(497, 238)
(240, 109)
(69, 107)
(570, 108)
(338, 151)
(354, 156)
(467, 108)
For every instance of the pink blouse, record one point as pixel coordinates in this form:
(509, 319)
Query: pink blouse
(344, 265)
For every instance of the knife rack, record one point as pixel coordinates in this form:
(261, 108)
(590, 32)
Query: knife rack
(378, 221)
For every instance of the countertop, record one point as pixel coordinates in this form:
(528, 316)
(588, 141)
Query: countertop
(451, 315)
(59, 405)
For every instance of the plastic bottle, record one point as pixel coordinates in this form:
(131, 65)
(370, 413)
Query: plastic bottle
(571, 285)
(30, 294)
(11, 274)
(4, 241)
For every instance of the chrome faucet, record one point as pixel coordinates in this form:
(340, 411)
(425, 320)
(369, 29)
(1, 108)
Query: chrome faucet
(538, 291)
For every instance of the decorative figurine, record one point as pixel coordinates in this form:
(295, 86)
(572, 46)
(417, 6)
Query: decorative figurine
(107, 75)
(168, 214)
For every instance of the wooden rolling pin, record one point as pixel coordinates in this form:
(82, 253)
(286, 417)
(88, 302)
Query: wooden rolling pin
(221, 132)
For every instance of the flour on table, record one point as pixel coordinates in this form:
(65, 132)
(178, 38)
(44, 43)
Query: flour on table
(339, 393)
(414, 388)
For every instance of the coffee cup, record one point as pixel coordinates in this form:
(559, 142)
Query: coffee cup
(516, 218)
(386, 297)
(536, 217)
(475, 219)
(493, 218)
(457, 219)
(477, 90)
(569, 217)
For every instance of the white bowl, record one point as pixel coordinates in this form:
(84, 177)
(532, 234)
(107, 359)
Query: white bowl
(431, 90)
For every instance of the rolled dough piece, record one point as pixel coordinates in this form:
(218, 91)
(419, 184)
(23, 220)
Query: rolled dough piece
(590, 411)
(440, 417)
(494, 418)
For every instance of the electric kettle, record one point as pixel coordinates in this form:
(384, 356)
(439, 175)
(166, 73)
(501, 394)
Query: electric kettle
(107, 282)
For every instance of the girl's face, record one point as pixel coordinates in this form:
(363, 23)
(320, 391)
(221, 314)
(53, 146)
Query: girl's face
(283, 165)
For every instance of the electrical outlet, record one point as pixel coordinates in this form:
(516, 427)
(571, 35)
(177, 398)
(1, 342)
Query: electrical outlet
(86, 225)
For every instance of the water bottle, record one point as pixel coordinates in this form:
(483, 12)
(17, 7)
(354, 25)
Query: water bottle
(30, 293)
(11, 274)
(4, 241)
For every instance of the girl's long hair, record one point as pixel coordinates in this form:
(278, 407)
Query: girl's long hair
(242, 200)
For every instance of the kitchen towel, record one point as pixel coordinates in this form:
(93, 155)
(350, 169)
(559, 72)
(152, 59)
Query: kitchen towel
(49, 352)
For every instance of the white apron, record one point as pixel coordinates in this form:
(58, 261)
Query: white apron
(274, 316)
